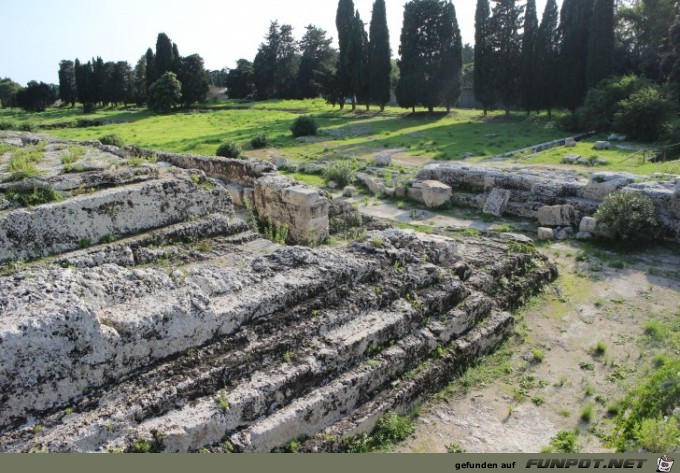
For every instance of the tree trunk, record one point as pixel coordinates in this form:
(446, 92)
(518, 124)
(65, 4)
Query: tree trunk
(413, 109)
(486, 111)
(430, 109)
(342, 105)
(448, 108)
(382, 108)
(368, 107)
(549, 113)
(354, 103)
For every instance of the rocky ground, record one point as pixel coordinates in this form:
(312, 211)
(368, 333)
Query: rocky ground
(142, 312)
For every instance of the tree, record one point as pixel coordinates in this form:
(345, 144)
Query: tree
(431, 55)
(529, 98)
(276, 64)
(357, 63)
(240, 81)
(506, 43)
(67, 82)
(194, 78)
(140, 86)
(468, 54)
(546, 58)
(379, 58)
(150, 68)
(218, 78)
(317, 58)
(483, 73)
(574, 28)
(165, 93)
(118, 83)
(36, 97)
(601, 43)
(97, 80)
(344, 20)
(8, 92)
(165, 57)
(85, 84)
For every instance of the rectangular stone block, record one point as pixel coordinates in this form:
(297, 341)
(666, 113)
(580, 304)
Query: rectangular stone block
(497, 202)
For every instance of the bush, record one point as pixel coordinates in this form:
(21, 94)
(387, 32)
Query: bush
(165, 93)
(623, 215)
(341, 172)
(112, 140)
(304, 126)
(229, 150)
(644, 114)
(564, 442)
(259, 141)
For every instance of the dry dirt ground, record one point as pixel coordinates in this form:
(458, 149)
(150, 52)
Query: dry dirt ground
(541, 381)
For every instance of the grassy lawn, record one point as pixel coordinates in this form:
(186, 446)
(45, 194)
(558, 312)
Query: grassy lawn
(343, 133)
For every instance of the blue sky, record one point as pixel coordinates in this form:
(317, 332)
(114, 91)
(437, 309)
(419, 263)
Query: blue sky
(37, 34)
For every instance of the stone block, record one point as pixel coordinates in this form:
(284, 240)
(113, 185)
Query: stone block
(584, 236)
(602, 145)
(588, 225)
(571, 159)
(382, 159)
(570, 143)
(546, 234)
(400, 191)
(436, 194)
(604, 183)
(556, 215)
(349, 191)
(497, 202)
(564, 233)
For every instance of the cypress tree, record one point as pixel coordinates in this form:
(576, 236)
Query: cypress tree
(483, 72)
(529, 99)
(67, 82)
(601, 43)
(574, 28)
(344, 21)
(452, 58)
(546, 58)
(165, 58)
(194, 78)
(357, 63)
(150, 69)
(505, 24)
(380, 66)
(140, 88)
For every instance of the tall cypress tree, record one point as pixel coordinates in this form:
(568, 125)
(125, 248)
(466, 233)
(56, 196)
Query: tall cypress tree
(483, 73)
(165, 59)
(546, 58)
(67, 82)
(574, 28)
(380, 66)
(529, 99)
(505, 24)
(344, 21)
(357, 63)
(601, 43)
(150, 70)
(452, 58)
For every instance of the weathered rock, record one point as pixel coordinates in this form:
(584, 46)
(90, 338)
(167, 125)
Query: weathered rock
(83, 220)
(617, 137)
(556, 215)
(299, 207)
(564, 233)
(588, 224)
(571, 159)
(570, 143)
(546, 234)
(677, 186)
(602, 145)
(604, 183)
(584, 236)
(400, 191)
(435, 193)
(497, 202)
(279, 162)
(374, 186)
(383, 159)
(349, 191)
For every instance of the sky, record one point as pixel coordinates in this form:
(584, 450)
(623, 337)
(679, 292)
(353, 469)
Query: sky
(37, 34)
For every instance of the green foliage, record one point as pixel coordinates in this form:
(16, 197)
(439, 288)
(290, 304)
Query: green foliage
(538, 355)
(483, 70)
(659, 435)
(600, 349)
(142, 446)
(391, 428)
(564, 442)
(276, 232)
(112, 139)
(624, 214)
(587, 413)
(37, 196)
(341, 172)
(455, 448)
(654, 330)
(575, 20)
(304, 126)
(222, 401)
(194, 78)
(229, 150)
(647, 405)
(529, 98)
(644, 114)
(601, 49)
(505, 23)
(431, 55)
(546, 53)
(276, 63)
(259, 141)
(380, 66)
(165, 93)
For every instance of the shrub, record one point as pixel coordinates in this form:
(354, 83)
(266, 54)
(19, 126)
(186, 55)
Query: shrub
(112, 140)
(390, 428)
(341, 172)
(644, 114)
(304, 126)
(165, 93)
(564, 442)
(659, 435)
(624, 214)
(229, 150)
(259, 141)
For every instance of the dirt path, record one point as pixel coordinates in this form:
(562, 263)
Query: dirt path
(517, 400)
